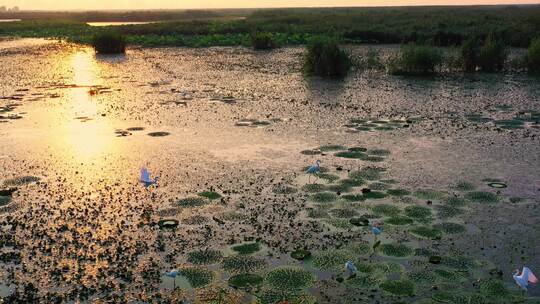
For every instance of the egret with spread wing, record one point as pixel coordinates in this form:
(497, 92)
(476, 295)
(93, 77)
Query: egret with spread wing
(526, 277)
(145, 178)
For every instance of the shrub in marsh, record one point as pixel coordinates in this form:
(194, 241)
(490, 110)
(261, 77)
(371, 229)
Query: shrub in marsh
(492, 55)
(109, 43)
(326, 59)
(469, 55)
(533, 56)
(263, 41)
(415, 60)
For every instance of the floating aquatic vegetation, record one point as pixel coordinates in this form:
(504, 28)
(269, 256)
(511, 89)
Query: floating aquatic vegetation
(211, 195)
(247, 248)
(197, 277)
(379, 152)
(448, 275)
(399, 287)
(423, 252)
(421, 276)
(204, 257)
(351, 182)
(232, 216)
(455, 201)
(428, 194)
(329, 177)
(497, 185)
(448, 211)
(378, 186)
(460, 263)
(168, 224)
(374, 195)
(282, 189)
(191, 202)
(339, 188)
(426, 232)
(482, 197)
(351, 154)
(332, 259)
(399, 220)
(134, 129)
(21, 180)
(216, 294)
(328, 148)
(242, 264)
(311, 152)
(464, 186)
(300, 254)
(374, 159)
(323, 197)
(417, 211)
(360, 248)
(354, 197)
(289, 278)
(510, 124)
(444, 297)
(368, 173)
(314, 188)
(386, 209)
(245, 281)
(398, 192)
(363, 281)
(247, 122)
(395, 250)
(343, 213)
(478, 118)
(158, 134)
(339, 223)
(195, 220)
(357, 149)
(317, 213)
(451, 228)
(4, 200)
(494, 288)
(272, 296)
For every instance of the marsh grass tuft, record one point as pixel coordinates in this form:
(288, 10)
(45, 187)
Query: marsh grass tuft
(415, 60)
(326, 59)
(109, 42)
(263, 41)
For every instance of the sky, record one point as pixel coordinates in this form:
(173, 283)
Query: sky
(183, 4)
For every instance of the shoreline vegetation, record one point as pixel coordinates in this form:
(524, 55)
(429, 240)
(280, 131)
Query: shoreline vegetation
(432, 39)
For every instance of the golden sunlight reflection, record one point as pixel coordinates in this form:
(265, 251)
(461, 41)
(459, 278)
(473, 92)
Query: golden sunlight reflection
(85, 135)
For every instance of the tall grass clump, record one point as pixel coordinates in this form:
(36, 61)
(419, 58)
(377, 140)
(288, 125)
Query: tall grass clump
(492, 54)
(263, 41)
(109, 43)
(416, 60)
(533, 56)
(469, 55)
(326, 59)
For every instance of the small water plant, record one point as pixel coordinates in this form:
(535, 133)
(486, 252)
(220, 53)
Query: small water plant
(211, 195)
(247, 248)
(448, 211)
(426, 232)
(398, 192)
(245, 281)
(197, 276)
(451, 228)
(417, 211)
(386, 209)
(368, 173)
(331, 259)
(323, 197)
(533, 56)
(399, 287)
(300, 254)
(395, 250)
(482, 197)
(109, 42)
(289, 278)
(242, 264)
(191, 202)
(399, 220)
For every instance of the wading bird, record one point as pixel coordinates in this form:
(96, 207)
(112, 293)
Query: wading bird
(145, 178)
(314, 169)
(351, 269)
(525, 278)
(173, 274)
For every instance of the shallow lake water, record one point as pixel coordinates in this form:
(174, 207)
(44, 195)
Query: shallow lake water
(448, 167)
